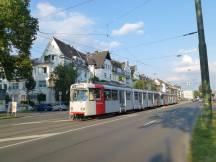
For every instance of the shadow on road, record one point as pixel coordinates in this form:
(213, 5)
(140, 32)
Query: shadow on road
(181, 118)
(163, 157)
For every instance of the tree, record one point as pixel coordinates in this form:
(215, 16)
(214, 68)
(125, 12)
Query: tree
(17, 32)
(196, 93)
(41, 97)
(64, 77)
(94, 79)
(30, 85)
(139, 84)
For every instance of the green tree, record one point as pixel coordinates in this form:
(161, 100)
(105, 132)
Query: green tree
(64, 77)
(41, 97)
(196, 93)
(139, 84)
(94, 79)
(30, 85)
(17, 32)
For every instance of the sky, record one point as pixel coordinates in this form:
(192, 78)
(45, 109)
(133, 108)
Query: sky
(147, 33)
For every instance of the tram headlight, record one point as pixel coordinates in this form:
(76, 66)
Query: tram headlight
(82, 108)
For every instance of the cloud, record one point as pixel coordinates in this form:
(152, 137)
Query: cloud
(186, 59)
(71, 27)
(129, 28)
(109, 45)
(188, 51)
(175, 78)
(187, 64)
(63, 24)
(45, 9)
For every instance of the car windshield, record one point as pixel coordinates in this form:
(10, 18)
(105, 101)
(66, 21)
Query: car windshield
(79, 95)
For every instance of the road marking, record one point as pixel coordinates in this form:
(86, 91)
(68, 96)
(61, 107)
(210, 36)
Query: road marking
(150, 123)
(43, 136)
(43, 121)
(26, 137)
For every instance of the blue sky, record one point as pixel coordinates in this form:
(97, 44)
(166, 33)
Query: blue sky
(132, 26)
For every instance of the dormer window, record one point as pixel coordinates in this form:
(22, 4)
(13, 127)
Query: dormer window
(46, 58)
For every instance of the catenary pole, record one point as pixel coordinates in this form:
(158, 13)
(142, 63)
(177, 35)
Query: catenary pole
(206, 89)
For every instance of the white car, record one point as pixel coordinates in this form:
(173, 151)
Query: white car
(60, 107)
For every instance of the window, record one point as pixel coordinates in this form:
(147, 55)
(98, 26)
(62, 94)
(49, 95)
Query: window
(150, 96)
(108, 94)
(128, 95)
(136, 95)
(110, 76)
(144, 96)
(15, 86)
(114, 95)
(105, 75)
(46, 58)
(42, 83)
(23, 98)
(79, 95)
(44, 70)
(53, 57)
(94, 94)
(1, 87)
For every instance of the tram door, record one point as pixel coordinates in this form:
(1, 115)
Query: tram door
(122, 98)
(100, 101)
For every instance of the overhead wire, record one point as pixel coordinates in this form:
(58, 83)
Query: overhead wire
(70, 7)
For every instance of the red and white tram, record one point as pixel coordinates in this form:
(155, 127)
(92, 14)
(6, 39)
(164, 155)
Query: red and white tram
(89, 99)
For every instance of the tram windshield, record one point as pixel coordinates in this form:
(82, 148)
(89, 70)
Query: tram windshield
(92, 94)
(79, 95)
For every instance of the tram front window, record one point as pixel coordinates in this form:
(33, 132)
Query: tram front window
(79, 95)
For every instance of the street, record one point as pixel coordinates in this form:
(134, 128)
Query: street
(156, 135)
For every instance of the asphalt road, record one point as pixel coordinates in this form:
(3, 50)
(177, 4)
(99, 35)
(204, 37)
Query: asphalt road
(157, 135)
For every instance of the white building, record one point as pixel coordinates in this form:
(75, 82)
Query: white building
(121, 72)
(188, 95)
(134, 73)
(57, 53)
(100, 65)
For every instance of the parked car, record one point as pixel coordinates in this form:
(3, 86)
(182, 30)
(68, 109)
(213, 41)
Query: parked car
(60, 107)
(44, 107)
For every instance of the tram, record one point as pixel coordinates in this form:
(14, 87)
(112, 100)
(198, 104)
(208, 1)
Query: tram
(90, 99)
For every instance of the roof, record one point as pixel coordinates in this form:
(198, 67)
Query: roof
(67, 50)
(98, 58)
(117, 64)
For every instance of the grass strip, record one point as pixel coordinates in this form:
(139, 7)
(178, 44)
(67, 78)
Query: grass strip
(203, 143)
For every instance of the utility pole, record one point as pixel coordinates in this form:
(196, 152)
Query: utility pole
(206, 89)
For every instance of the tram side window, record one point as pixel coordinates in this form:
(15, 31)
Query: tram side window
(144, 96)
(108, 94)
(136, 95)
(94, 94)
(114, 94)
(128, 95)
(150, 96)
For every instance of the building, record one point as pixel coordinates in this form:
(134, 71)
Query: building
(100, 65)
(57, 53)
(121, 72)
(134, 73)
(188, 95)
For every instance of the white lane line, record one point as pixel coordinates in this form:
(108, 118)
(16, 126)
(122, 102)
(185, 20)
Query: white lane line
(41, 114)
(149, 123)
(41, 122)
(42, 136)
(25, 137)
